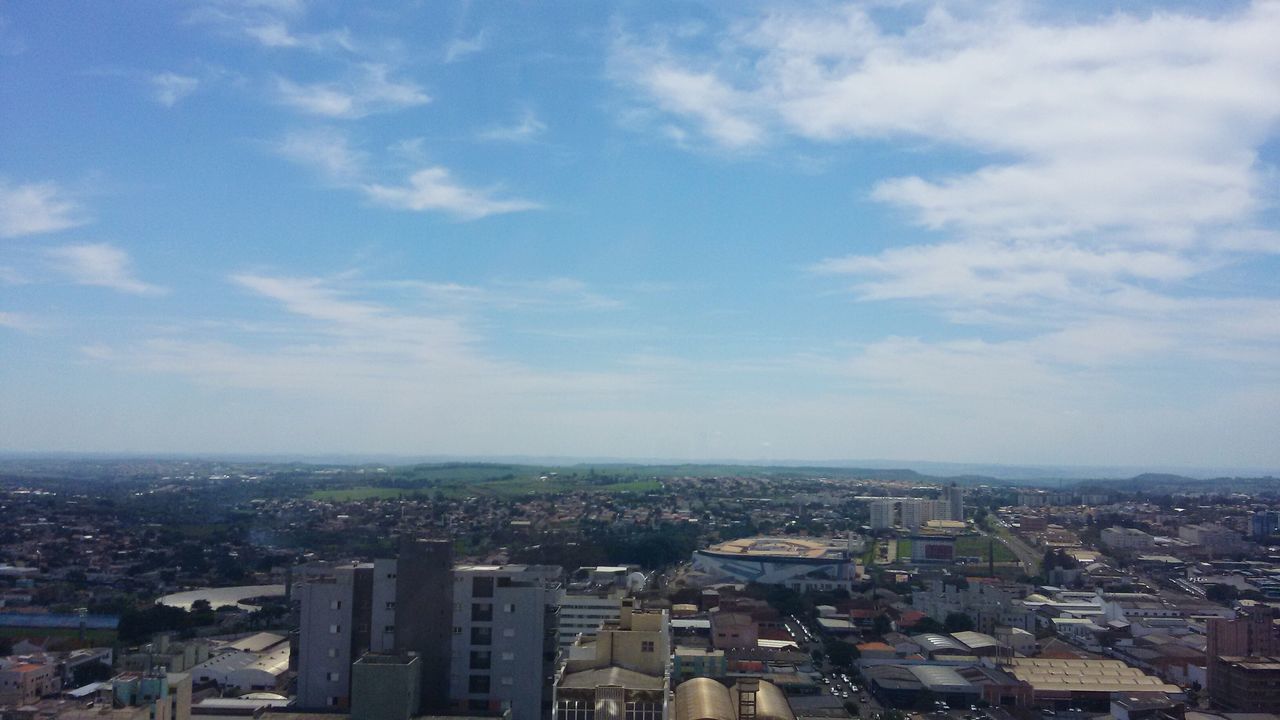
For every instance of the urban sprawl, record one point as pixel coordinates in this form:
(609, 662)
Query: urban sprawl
(179, 589)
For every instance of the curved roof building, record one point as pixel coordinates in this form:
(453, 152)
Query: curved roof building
(703, 699)
(802, 564)
(707, 699)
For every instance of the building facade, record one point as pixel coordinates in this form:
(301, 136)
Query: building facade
(504, 643)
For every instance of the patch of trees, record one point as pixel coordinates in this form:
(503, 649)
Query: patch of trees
(139, 625)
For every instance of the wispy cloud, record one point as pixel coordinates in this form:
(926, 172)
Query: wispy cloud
(170, 88)
(325, 150)
(16, 321)
(434, 188)
(459, 48)
(549, 294)
(431, 189)
(101, 265)
(35, 208)
(367, 90)
(528, 128)
(275, 33)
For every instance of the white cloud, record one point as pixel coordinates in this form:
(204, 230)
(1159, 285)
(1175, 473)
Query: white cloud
(275, 33)
(1148, 125)
(430, 189)
(102, 265)
(325, 150)
(434, 189)
(528, 128)
(16, 321)
(979, 272)
(34, 208)
(459, 48)
(170, 88)
(369, 89)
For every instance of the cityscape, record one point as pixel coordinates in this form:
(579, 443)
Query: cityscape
(639, 360)
(186, 588)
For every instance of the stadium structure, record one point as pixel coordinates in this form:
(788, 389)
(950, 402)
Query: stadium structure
(803, 564)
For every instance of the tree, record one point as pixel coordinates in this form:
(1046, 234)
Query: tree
(840, 652)
(91, 673)
(1218, 592)
(958, 622)
(881, 625)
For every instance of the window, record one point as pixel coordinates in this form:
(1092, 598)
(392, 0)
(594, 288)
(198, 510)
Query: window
(391, 604)
(509, 608)
(335, 629)
(482, 612)
(482, 587)
(647, 645)
(335, 604)
(508, 632)
(333, 677)
(508, 656)
(644, 711)
(478, 684)
(481, 636)
(333, 652)
(389, 629)
(576, 710)
(481, 660)
(506, 680)
(333, 700)
(457, 630)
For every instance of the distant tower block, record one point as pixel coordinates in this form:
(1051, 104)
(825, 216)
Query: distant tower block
(956, 498)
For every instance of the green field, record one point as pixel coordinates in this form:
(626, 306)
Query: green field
(93, 638)
(978, 546)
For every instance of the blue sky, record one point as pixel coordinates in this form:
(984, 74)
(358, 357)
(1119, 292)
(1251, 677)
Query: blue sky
(974, 232)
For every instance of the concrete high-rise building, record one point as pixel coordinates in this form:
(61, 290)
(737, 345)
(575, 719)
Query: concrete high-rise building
(424, 612)
(333, 631)
(917, 512)
(955, 500)
(504, 644)
(1252, 635)
(882, 514)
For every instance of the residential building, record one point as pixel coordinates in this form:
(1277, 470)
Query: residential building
(25, 682)
(1263, 524)
(1245, 684)
(504, 643)
(333, 631)
(1252, 635)
(592, 597)
(622, 675)
(988, 605)
(955, 503)
(882, 512)
(1212, 540)
(422, 612)
(1126, 539)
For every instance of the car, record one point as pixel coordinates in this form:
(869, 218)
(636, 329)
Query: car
(853, 688)
(835, 691)
(844, 693)
(863, 699)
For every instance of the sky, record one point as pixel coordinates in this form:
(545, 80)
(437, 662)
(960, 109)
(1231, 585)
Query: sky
(999, 232)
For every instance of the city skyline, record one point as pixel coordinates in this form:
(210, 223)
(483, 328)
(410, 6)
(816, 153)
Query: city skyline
(1017, 234)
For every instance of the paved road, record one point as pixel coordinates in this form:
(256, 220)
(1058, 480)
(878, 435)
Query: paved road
(1027, 557)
